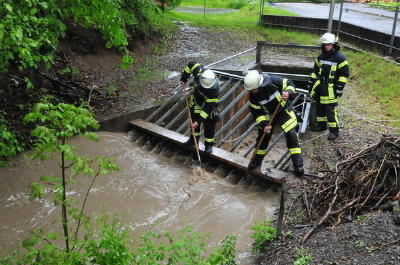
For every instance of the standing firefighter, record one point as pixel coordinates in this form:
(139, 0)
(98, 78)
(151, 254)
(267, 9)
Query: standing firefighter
(328, 79)
(203, 103)
(266, 94)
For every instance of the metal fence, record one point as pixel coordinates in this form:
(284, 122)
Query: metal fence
(375, 25)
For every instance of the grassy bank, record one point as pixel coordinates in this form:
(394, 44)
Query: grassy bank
(375, 79)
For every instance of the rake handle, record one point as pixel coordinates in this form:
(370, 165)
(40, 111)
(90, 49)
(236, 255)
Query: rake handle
(194, 137)
(265, 133)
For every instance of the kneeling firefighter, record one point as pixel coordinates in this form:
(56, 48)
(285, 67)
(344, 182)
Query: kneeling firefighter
(203, 103)
(269, 93)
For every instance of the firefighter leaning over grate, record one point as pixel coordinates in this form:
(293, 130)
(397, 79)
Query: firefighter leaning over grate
(203, 103)
(266, 93)
(327, 82)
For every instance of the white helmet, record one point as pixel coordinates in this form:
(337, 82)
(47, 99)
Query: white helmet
(252, 80)
(208, 79)
(328, 38)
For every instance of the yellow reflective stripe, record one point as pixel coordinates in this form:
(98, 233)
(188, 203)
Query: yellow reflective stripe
(203, 114)
(331, 93)
(255, 106)
(291, 123)
(291, 89)
(209, 140)
(261, 118)
(314, 86)
(212, 100)
(343, 79)
(320, 119)
(295, 150)
(313, 75)
(343, 64)
(328, 101)
(317, 62)
(196, 133)
(194, 67)
(332, 124)
(332, 71)
(284, 83)
(187, 70)
(261, 152)
(336, 116)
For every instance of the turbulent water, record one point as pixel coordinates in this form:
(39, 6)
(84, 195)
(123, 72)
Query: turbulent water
(149, 189)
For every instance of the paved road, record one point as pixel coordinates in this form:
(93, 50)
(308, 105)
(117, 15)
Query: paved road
(353, 13)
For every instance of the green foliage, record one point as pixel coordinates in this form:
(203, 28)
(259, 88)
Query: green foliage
(9, 143)
(187, 247)
(30, 29)
(302, 257)
(263, 234)
(55, 125)
(385, 5)
(111, 245)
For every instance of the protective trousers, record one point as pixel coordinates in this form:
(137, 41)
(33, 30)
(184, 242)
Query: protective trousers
(209, 128)
(292, 141)
(327, 114)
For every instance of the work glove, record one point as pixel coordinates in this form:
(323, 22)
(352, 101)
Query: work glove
(339, 91)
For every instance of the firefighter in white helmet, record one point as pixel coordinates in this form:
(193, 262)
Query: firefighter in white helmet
(266, 92)
(203, 102)
(330, 74)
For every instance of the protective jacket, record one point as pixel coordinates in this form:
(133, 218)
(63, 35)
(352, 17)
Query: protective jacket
(264, 102)
(329, 76)
(203, 103)
(204, 100)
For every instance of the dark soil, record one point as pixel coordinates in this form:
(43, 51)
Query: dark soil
(85, 69)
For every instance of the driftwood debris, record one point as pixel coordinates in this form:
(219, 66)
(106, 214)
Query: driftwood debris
(361, 182)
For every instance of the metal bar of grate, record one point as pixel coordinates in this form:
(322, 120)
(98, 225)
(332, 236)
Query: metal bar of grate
(230, 122)
(224, 111)
(240, 124)
(240, 140)
(171, 110)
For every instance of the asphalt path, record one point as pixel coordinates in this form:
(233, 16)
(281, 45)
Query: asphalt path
(353, 13)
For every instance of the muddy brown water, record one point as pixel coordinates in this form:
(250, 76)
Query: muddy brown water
(149, 189)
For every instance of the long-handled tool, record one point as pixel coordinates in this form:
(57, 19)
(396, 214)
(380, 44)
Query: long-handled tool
(261, 139)
(193, 135)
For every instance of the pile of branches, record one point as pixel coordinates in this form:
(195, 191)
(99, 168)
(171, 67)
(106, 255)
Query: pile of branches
(360, 183)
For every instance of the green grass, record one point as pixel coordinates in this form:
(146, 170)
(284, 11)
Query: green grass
(377, 78)
(215, 3)
(246, 15)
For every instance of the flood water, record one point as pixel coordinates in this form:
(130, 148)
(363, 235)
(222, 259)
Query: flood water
(149, 189)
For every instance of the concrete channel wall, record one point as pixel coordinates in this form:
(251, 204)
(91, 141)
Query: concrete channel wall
(357, 35)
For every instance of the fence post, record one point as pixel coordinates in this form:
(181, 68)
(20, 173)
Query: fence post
(331, 10)
(340, 18)
(396, 15)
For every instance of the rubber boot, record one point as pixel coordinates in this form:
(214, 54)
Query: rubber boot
(333, 134)
(297, 160)
(257, 162)
(208, 147)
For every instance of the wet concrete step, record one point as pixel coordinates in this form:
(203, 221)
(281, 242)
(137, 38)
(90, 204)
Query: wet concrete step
(235, 160)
